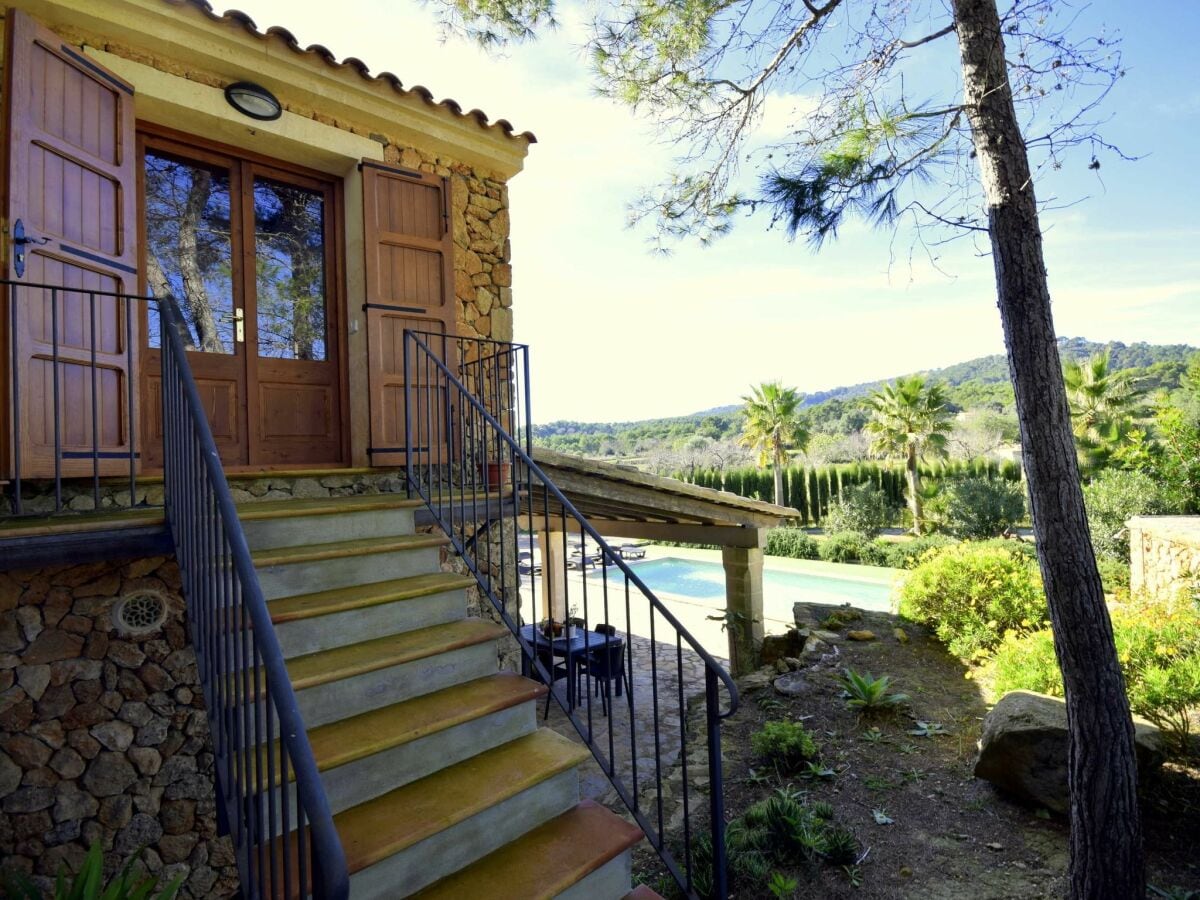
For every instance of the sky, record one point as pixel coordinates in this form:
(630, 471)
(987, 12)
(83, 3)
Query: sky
(617, 333)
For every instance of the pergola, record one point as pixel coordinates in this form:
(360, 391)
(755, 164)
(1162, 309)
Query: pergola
(623, 502)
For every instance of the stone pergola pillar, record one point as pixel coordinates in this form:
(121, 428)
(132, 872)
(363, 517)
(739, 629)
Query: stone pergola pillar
(744, 604)
(554, 575)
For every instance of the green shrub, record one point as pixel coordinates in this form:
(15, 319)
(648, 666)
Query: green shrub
(861, 508)
(1025, 662)
(1158, 645)
(904, 554)
(1024, 549)
(786, 744)
(844, 547)
(1114, 497)
(978, 508)
(794, 543)
(972, 594)
(840, 618)
(1114, 573)
(875, 553)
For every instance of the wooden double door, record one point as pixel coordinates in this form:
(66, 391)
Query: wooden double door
(248, 250)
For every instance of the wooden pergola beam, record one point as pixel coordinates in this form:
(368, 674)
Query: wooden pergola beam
(721, 535)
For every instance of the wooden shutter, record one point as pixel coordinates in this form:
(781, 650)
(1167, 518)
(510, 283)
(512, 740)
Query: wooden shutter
(71, 182)
(410, 285)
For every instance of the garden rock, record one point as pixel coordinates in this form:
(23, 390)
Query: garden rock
(815, 647)
(1023, 750)
(793, 684)
(900, 634)
(757, 680)
(862, 635)
(778, 646)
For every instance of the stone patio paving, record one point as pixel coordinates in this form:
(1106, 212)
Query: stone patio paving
(633, 738)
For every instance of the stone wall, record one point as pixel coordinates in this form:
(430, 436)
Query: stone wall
(103, 734)
(38, 496)
(1164, 554)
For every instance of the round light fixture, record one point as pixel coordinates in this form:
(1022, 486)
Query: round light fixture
(253, 100)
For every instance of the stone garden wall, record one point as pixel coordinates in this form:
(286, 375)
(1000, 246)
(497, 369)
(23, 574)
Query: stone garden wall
(1164, 554)
(103, 735)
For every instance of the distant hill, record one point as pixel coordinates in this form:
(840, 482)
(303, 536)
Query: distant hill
(993, 370)
(976, 383)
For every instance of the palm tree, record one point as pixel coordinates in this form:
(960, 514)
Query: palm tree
(910, 417)
(1102, 403)
(773, 426)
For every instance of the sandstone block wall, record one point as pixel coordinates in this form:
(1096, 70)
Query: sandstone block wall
(1164, 554)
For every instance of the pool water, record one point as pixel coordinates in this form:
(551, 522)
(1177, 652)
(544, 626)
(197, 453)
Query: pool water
(702, 580)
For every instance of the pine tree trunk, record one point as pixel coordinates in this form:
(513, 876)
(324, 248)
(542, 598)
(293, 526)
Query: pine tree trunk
(1106, 844)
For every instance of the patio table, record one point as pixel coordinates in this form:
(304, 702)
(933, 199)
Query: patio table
(571, 648)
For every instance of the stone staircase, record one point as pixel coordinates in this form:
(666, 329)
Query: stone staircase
(441, 783)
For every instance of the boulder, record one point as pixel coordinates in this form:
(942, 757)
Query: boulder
(793, 684)
(1023, 750)
(757, 680)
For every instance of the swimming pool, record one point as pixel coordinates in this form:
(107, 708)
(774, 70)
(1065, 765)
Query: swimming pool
(703, 580)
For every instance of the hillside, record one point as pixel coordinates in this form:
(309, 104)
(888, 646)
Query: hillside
(981, 383)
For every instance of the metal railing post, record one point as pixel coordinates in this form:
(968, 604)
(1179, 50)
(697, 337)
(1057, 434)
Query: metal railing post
(716, 786)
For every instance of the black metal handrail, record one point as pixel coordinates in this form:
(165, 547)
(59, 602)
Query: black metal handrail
(90, 333)
(487, 493)
(268, 787)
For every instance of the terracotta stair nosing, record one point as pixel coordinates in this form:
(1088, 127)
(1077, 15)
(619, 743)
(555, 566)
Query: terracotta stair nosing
(390, 650)
(287, 556)
(298, 607)
(335, 743)
(570, 847)
(499, 774)
(266, 510)
(461, 633)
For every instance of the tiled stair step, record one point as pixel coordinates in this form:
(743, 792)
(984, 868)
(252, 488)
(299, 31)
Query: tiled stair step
(307, 623)
(408, 838)
(367, 755)
(289, 523)
(286, 571)
(356, 678)
(581, 854)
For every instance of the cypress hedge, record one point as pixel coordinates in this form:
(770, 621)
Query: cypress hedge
(810, 490)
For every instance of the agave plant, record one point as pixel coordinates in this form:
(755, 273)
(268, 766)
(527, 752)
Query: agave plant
(867, 694)
(88, 883)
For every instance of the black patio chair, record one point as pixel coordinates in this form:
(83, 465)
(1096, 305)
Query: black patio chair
(605, 664)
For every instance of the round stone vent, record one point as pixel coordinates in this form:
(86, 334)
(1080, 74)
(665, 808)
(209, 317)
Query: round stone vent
(141, 612)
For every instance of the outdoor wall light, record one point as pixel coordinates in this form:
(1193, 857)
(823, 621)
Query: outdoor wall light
(253, 100)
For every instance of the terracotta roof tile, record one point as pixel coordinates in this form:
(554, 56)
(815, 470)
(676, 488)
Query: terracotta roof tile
(238, 17)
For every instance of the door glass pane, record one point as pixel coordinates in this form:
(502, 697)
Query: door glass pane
(189, 249)
(289, 235)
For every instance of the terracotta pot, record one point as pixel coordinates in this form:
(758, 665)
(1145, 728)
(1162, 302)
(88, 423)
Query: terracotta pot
(496, 475)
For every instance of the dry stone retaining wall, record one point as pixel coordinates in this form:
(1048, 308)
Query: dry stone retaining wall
(1164, 554)
(103, 735)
